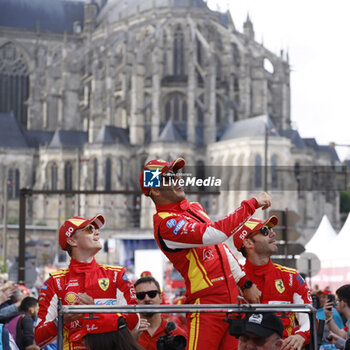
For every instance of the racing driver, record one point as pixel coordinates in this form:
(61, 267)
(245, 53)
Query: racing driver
(193, 243)
(84, 282)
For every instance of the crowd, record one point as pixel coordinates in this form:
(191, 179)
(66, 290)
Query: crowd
(195, 246)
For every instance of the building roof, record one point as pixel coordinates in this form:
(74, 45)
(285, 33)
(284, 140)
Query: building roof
(170, 133)
(114, 10)
(54, 15)
(294, 136)
(311, 142)
(252, 127)
(11, 134)
(347, 163)
(68, 138)
(325, 149)
(330, 151)
(36, 138)
(111, 135)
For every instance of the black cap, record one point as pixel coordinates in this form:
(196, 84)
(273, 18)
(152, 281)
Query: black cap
(263, 325)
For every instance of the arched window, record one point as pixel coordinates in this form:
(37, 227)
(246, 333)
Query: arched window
(68, 176)
(179, 53)
(147, 109)
(13, 184)
(14, 83)
(218, 68)
(258, 172)
(176, 108)
(274, 174)
(108, 183)
(165, 55)
(95, 175)
(199, 51)
(54, 177)
(218, 113)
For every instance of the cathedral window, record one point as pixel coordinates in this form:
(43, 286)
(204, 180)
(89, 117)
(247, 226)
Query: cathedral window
(235, 55)
(108, 183)
(218, 113)
(199, 52)
(14, 83)
(274, 175)
(218, 68)
(258, 172)
(176, 108)
(13, 184)
(68, 176)
(165, 55)
(95, 174)
(179, 53)
(54, 177)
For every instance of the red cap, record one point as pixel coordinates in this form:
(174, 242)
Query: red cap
(252, 225)
(101, 323)
(146, 274)
(74, 223)
(324, 291)
(161, 165)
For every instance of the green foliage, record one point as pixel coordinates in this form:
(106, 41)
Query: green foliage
(344, 201)
(3, 267)
(13, 221)
(41, 223)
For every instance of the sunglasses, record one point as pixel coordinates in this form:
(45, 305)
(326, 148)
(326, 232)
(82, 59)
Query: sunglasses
(264, 230)
(151, 294)
(90, 228)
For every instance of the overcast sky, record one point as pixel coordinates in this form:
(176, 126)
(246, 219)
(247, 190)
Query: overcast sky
(316, 35)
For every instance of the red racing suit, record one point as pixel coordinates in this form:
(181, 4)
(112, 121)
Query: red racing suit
(282, 285)
(190, 240)
(149, 342)
(107, 285)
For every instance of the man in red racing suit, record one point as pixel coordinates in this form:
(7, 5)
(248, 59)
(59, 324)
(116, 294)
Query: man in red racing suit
(190, 240)
(278, 284)
(83, 282)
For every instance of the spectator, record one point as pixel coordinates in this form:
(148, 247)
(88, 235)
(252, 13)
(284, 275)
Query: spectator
(262, 332)
(325, 295)
(84, 282)
(165, 299)
(105, 332)
(193, 243)
(22, 326)
(6, 339)
(339, 336)
(153, 325)
(10, 308)
(278, 284)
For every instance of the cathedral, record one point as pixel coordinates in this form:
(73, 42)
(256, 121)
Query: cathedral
(90, 91)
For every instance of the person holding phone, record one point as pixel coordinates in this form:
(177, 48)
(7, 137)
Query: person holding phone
(337, 336)
(325, 295)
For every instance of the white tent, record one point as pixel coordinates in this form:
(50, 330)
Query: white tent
(335, 260)
(339, 250)
(321, 240)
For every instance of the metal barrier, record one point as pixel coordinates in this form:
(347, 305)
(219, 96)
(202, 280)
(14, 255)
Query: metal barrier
(185, 308)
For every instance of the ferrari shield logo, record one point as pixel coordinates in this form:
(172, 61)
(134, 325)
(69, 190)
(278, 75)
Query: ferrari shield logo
(279, 286)
(103, 283)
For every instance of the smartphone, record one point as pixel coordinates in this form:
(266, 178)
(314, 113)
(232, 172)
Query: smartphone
(331, 298)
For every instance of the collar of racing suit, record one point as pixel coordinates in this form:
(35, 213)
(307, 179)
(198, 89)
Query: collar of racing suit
(81, 267)
(179, 206)
(259, 270)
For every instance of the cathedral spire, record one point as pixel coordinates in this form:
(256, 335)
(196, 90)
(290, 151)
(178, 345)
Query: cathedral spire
(248, 28)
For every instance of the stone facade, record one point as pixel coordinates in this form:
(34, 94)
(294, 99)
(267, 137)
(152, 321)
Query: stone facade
(129, 81)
